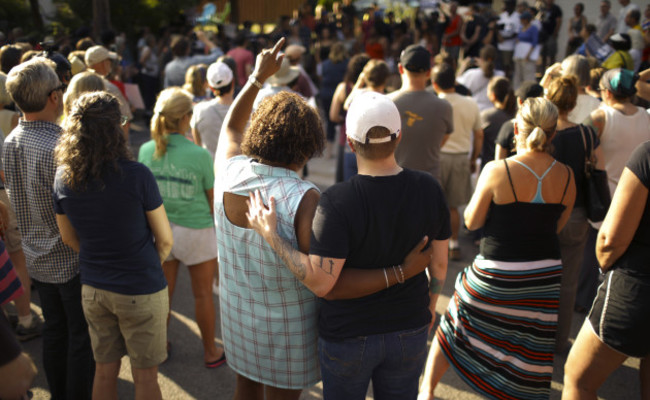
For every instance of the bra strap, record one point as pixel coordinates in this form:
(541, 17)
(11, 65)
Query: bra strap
(567, 183)
(510, 179)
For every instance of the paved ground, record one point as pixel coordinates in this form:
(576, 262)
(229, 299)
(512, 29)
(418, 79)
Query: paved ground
(184, 377)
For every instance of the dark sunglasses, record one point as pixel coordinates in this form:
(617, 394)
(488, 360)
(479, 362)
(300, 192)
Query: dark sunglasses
(62, 87)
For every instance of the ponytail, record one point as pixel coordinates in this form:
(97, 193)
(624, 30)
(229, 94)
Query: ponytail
(536, 140)
(158, 135)
(488, 68)
(488, 54)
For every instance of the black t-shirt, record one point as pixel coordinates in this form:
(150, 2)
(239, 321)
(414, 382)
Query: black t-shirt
(569, 149)
(635, 259)
(506, 137)
(373, 222)
(549, 20)
(9, 347)
(492, 120)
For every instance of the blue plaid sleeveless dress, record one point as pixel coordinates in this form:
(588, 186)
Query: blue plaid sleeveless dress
(268, 318)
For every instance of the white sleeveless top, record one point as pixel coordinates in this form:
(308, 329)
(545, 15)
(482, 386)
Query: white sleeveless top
(621, 135)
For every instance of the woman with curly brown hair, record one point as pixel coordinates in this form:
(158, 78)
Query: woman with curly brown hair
(271, 345)
(185, 177)
(109, 210)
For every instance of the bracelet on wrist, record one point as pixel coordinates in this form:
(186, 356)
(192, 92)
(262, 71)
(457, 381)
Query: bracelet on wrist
(386, 277)
(255, 82)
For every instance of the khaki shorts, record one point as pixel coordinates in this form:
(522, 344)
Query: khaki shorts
(455, 178)
(193, 246)
(122, 324)
(13, 240)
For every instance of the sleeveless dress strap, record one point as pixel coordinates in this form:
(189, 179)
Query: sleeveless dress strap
(568, 178)
(510, 179)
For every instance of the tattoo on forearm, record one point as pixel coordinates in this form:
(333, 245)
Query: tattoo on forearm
(327, 269)
(290, 256)
(435, 286)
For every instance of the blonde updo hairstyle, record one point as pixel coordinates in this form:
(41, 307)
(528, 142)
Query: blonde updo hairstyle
(172, 105)
(536, 123)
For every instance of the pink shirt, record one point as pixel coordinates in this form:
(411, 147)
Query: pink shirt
(243, 58)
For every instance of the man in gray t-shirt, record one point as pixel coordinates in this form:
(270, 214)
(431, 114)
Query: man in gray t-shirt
(427, 120)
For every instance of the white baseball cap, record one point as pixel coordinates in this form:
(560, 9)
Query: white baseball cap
(219, 75)
(97, 54)
(370, 109)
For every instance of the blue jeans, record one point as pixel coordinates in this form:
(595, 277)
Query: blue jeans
(67, 355)
(393, 361)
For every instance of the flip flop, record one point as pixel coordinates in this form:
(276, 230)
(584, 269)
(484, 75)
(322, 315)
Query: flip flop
(217, 363)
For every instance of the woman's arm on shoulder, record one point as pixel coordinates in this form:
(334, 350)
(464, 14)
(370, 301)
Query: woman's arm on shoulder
(161, 230)
(568, 201)
(597, 121)
(477, 209)
(622, 219)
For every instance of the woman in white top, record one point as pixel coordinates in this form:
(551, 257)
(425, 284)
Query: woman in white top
(477, 79)
(621, 126)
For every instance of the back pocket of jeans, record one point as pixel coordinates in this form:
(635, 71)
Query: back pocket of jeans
(343, 358)
(414, 348)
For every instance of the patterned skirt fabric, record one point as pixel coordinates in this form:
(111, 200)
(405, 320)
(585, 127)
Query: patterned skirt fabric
(499, 329)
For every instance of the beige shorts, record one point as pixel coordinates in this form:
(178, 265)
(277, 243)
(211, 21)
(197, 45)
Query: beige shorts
(193, 246)
(455, 178)
(13, 240)
(122, 324)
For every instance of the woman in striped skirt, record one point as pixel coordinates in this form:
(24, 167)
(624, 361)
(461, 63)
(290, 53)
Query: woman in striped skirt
(499, 329)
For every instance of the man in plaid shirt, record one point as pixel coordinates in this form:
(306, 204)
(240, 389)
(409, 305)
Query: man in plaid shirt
(54, 268)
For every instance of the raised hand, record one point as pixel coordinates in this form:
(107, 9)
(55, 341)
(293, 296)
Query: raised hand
(268, 62)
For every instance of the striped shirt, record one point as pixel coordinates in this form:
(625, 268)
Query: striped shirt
(28, 157)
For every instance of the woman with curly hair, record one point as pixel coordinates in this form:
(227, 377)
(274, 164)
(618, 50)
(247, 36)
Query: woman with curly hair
(185, 178)
(109, 210)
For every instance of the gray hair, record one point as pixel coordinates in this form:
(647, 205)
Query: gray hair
(29, 84)
(536, 122)
(579, 66)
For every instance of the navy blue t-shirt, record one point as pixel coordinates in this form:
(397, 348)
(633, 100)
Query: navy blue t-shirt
(117, 251)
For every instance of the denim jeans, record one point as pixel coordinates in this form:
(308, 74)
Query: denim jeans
(67, 355)
(393, 361)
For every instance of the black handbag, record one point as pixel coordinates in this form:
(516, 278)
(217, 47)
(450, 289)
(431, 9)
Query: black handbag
(596, 187)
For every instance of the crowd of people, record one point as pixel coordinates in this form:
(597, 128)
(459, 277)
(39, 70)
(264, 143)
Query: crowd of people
(339, 286)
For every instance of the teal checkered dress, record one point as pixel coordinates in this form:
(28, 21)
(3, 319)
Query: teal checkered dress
(268, 318)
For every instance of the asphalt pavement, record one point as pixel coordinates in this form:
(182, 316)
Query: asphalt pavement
(183, 375)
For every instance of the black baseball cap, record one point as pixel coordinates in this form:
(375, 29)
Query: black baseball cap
(529, 89)
(415, 58)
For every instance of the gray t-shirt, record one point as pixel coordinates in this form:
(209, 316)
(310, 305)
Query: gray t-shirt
(426, 119)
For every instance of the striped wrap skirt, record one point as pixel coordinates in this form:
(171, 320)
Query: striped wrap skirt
(499, 329)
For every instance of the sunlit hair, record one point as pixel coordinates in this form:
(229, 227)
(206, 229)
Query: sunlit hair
(81, 83)
(355, 67)
(500, 87)
(195, 80)
(29, 84)
(4, 95)
(563, 92)
(92, 141)
(579, 66)
(172, 105)
(285, 130)
(338, 53)
(376, 73)
(536, 123)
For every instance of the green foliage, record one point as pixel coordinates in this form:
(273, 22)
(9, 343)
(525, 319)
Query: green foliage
(12, 11)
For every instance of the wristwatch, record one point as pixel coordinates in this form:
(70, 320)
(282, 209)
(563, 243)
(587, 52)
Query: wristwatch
(253, 81)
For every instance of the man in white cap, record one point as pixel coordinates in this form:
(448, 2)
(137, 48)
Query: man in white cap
(100, 61)
(209, 115)
(368, 326)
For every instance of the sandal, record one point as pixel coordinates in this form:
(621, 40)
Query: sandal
(217, 363)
